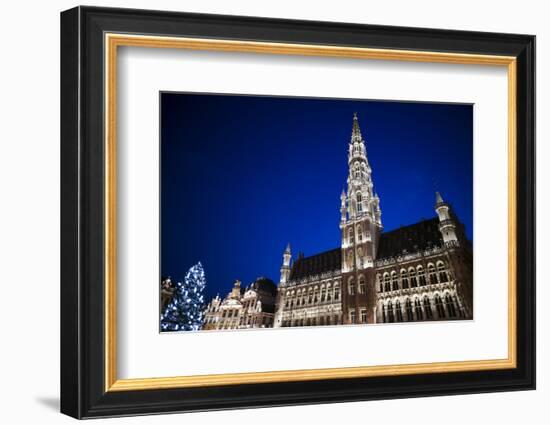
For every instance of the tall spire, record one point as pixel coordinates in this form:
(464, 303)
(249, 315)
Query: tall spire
(356, 131)
(359, 198)
(438, 198)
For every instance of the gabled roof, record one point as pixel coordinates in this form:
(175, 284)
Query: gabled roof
(316, 264)
(408, 239)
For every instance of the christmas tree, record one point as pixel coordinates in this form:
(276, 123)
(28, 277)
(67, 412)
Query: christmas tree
(184, 312)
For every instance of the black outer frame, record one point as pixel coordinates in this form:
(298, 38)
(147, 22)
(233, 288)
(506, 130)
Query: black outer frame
(82, 217)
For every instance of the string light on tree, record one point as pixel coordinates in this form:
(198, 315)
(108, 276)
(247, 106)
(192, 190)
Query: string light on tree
(185, 311)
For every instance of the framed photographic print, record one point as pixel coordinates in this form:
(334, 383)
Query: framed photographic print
(261, 212)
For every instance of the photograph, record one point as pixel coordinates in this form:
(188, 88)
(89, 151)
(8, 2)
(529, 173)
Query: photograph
(283, 212)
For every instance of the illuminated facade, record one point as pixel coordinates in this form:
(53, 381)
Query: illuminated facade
(414, 273)
(418, 272)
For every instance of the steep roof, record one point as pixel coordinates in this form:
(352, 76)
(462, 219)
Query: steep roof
(316, 264)
(412, 238)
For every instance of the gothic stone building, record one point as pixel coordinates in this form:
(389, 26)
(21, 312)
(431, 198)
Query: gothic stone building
(418, 272)
(253, 307)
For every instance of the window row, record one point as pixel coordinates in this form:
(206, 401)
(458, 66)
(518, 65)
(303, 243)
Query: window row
(243, 320)
(230, 313)
(314, 321)
(361, 235)
(413, 278)
(355, 318)
(312, 296)
(360, 288)
(421, 309)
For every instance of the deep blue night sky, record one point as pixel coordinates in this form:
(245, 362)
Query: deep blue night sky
(243, 175)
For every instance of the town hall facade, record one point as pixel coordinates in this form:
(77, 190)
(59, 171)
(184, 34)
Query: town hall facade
(419, 272)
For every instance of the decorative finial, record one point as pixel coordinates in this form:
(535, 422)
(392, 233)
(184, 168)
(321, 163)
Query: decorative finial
(287, 250)
(438, 198)
(356, 131)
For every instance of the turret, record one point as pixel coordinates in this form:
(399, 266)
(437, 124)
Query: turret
(285, 269)
(447, 223)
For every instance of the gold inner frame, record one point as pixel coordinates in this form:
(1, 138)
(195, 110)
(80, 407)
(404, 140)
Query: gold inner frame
(113, 41)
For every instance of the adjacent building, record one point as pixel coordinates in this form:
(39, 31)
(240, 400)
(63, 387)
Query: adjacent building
(243, 308)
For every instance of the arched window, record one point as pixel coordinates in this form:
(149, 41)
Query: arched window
(379, 282)
(404, 279)
(350, 235)
(359, 233)
(359, 200)
(398, 312)
(391, 317)
(439, 307)
(418, 309)
(412, 276)
(432, 275)
(323, 294)
(310, 297)
(362, 286)
(408, 310)
(315, 295)
(387, 286)
(351, 286)
(329, 292)
(384, 316)
(394, 282)
(450, 306)
(428, 308)
(443, 276)
(336, 292)
(421, 276)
